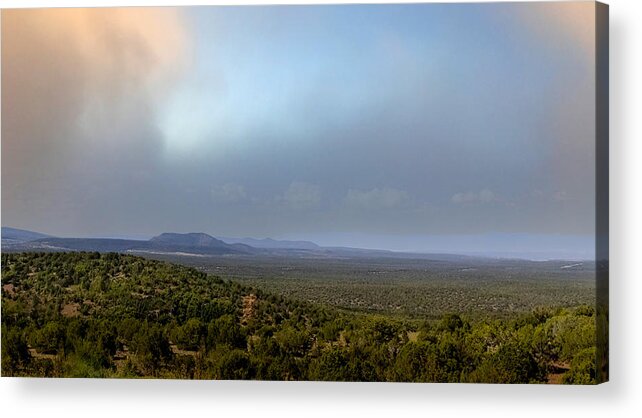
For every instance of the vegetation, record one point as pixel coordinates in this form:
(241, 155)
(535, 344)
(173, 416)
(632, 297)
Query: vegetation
(113, 315)
(415, 288)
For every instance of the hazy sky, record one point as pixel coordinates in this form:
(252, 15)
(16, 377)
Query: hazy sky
(396, 126)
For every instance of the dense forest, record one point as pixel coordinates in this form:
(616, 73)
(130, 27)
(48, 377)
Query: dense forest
(113, 315)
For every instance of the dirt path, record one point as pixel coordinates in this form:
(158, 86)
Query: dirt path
(10, 289)
(71, 310)
(36, 354)
(249, 308)
(180, 352)
(557, 372)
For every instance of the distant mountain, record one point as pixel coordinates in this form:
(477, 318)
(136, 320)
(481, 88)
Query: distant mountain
(192, 239)
(102, 245)
(273, 244)
(198, 242)
(14, 235)
(193, 243)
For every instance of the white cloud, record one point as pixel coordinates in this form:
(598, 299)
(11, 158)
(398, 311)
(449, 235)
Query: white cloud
(483, 196)
(301, 195)
(486, 196)
(229, 192)
(560, 196)
(556, 196)
(376, 198)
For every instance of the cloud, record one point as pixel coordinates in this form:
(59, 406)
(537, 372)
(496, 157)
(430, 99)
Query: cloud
(80, 89)
(575, 19)
(229, 193)
(301, 195)
(89, 97)
(483, 196)
(386, 198)
(561, 196)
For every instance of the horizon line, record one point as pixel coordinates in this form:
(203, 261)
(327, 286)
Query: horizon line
(526, 254)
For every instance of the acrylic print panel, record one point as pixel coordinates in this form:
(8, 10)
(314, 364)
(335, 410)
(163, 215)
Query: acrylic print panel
(408, 192)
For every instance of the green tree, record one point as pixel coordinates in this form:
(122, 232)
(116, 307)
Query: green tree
(15, 352)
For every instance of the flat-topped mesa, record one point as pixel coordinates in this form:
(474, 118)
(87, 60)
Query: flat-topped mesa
(193, 239)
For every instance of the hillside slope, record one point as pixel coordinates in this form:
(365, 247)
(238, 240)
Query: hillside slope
(15, 235)
(112, 315)
(192, 243)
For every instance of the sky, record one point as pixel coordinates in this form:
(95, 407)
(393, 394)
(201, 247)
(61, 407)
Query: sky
(423, 127)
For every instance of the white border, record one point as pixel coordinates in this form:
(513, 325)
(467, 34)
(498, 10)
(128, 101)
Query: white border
(620, 397)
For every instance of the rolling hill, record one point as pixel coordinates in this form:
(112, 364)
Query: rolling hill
(14, 235)
(191, 243)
